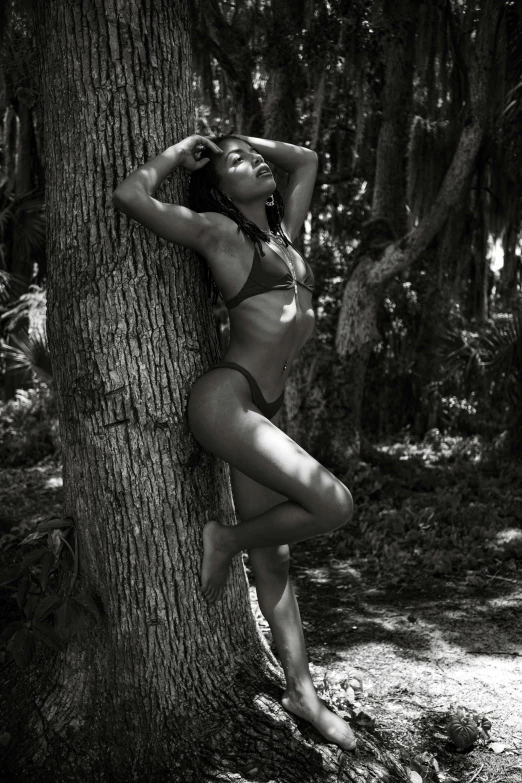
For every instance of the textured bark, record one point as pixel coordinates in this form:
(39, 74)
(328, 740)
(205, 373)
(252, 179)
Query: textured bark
(166, 687)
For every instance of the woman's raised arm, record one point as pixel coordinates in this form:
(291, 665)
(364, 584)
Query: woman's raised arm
(178, 224)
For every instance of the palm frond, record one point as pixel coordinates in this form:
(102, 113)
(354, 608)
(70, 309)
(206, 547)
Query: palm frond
(11, 286)
(503, 343)
(29, 352)
(460, 355)
(28, 213)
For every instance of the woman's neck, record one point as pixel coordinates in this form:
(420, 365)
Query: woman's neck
(256, 212)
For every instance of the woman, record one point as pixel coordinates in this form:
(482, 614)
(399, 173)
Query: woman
(244, 229)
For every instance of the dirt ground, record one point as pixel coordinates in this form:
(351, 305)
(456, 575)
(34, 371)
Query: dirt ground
(427, 634)
(418, 654)
(421, 595)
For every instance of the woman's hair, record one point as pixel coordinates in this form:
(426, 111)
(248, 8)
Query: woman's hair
(205, 195)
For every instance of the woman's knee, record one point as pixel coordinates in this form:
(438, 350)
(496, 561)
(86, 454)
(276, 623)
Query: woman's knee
(270, 560)
(338, 510)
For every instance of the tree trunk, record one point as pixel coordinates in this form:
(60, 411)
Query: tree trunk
(21, 256)
(389, 193)
(284, 22)
(510, 272)
(165, 687)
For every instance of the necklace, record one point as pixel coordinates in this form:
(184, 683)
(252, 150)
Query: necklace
(288, 260)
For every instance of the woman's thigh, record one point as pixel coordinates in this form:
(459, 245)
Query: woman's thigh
(250, 497)
(224, 420)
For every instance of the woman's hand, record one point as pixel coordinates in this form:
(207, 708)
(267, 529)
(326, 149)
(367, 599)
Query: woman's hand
(191, 151)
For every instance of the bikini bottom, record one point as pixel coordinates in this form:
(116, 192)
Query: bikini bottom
(268, 409)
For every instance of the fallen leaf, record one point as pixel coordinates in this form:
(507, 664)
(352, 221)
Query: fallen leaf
(497, 747)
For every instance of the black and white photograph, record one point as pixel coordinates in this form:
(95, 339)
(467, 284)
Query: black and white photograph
(260, 391)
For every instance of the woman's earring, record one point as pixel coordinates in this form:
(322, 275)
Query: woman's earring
(270, 201)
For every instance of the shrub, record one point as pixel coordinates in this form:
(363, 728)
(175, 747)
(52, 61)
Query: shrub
(28, 427)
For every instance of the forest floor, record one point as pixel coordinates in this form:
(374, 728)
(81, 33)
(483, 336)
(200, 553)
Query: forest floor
(420, 596)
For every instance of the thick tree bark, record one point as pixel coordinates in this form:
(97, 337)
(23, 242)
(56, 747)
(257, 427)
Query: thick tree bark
(165, 687)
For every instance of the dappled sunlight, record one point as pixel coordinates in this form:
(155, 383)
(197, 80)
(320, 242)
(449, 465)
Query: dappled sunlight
(508, 535)
(54, 482)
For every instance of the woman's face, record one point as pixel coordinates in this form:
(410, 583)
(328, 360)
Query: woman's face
(243, 175)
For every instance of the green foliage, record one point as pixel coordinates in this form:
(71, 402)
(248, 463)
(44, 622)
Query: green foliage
(29, 428)
(52, 612)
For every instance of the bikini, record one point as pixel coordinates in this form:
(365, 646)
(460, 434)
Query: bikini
(262, 278)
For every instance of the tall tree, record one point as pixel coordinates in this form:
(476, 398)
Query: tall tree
(165, 687)
(389, 192)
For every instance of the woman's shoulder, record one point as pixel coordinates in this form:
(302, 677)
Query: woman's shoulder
(224, 230)
(222, 222)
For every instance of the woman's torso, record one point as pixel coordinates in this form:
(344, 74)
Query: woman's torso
(268, 329)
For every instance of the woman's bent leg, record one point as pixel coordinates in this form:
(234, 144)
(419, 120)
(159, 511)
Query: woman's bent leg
(225, 422)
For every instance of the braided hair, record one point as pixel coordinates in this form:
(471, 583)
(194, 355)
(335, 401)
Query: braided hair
(205, 195)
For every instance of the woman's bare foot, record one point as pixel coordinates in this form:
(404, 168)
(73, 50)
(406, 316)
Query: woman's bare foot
(216, 559)
(309, 706)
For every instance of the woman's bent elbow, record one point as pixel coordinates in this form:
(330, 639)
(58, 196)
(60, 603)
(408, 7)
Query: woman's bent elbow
(118, 198)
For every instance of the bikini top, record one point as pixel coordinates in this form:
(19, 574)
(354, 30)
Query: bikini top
(263, 278)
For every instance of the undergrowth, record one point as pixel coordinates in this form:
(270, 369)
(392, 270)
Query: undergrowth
(29, 429)
(449, 506)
